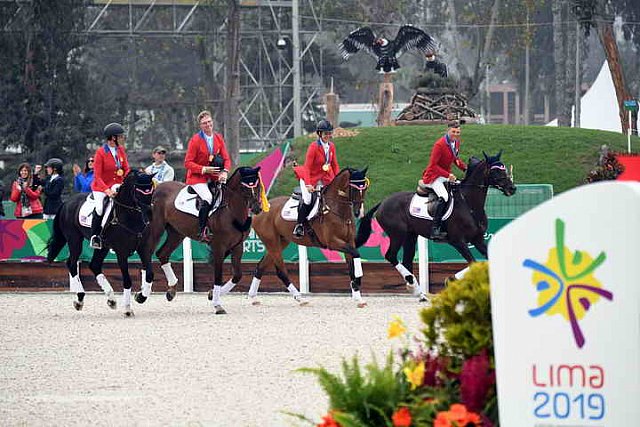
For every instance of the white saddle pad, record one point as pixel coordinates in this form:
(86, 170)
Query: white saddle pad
(418, 207)
(186, 202)
(85, 215)
(290, 209)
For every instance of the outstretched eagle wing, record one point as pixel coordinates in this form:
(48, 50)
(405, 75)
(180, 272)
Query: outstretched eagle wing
(410, 37)
(362, 38)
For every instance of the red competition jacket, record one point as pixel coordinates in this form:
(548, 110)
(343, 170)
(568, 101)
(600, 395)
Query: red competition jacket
(440, 161)
(34, 199)
(311, 172)
(105, 170)
(198, 154)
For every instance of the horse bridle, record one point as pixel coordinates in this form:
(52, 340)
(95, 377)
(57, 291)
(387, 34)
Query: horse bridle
(356, 186)
(136, 208)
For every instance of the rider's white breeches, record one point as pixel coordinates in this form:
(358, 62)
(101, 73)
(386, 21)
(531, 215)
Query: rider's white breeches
(306, 195)
(99, 196)
(438, 186)
(203, 191)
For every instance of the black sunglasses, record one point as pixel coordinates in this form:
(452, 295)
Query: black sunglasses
(161, 152)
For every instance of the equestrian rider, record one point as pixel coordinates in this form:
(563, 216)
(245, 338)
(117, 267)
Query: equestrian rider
(443, 155)
(109, 169)
(319, 169)
(207, 160)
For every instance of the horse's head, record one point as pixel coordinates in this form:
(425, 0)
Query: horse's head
(351, 184)
(137, 189)
(248, 184)
(498, 176)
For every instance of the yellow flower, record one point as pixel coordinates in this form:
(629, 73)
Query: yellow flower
(396, 328)
(415, 376)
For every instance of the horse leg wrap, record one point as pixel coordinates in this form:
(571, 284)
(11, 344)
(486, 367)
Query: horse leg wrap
(253, 289)
(169, 274)
(146, 289)
(104, 284)
(357, 267)
(75, 285)
(126, 298)
(356, 295)
(293, 290)
(227, 287)
(216, 295)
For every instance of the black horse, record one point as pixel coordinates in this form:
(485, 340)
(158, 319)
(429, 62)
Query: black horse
(466, 224)
(125, 231)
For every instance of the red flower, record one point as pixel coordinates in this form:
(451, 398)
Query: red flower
(457, 416)
(328, 421)
(402, 417)
(12, 237)
(476, 379)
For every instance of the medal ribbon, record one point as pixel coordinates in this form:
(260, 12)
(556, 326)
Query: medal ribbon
(452, 146)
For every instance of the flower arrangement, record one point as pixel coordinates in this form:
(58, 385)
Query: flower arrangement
(608, 168)
(447, 381)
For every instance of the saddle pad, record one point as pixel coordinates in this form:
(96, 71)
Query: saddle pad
(290, 209)
(186, 201)
(419, 207)
(85, 214)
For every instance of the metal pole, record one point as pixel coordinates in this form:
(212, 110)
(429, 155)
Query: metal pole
(303, 269)
(187, 265)
(576, 120)
(526, 75)
(423, 264)
(629, 134)
(297, 104)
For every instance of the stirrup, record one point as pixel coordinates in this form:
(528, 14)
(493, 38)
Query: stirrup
(438, 233)
(298, 231)
(204, 235)
(95, 242)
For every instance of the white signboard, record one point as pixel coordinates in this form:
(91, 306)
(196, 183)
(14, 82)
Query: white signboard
(565, 300)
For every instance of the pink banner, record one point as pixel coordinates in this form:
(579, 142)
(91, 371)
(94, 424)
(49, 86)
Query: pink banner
(271, 165)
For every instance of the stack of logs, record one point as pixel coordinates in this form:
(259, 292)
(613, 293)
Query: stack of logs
(434, 106)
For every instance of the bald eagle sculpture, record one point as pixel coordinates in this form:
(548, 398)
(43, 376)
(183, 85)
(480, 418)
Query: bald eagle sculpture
(387, 51)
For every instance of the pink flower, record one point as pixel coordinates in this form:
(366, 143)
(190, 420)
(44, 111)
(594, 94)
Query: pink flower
(476, 379)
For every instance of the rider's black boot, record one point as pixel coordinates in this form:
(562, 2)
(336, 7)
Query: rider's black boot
(436, 229)
(203, 215)
(303, 211)
(96, 230)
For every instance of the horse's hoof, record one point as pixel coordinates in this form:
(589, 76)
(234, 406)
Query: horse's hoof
(301, 301)
(210, 295)
(78, 305)
(218, 309)
(140, 299)
(254, 301)
(128, 312)
(362, 304)
(171, 293)
(112, 304)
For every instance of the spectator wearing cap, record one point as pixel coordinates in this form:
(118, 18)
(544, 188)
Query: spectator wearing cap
(53, 187)
(164, 172)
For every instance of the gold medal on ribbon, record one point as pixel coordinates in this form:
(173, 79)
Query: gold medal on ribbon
(325, 167)
(210, 158)
(119, 172)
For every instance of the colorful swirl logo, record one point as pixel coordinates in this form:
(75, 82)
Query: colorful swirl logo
(566, 284)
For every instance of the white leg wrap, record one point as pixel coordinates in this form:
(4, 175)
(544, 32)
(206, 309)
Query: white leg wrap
(75, 285)
(227, 287)
(216, 295)
(169, 274)
(460, 274)
(126, 298)
(146, 289)
(357, 267)
(104, 283)
(253, 289)
(403, 270)
(293, 290)
(356, 295)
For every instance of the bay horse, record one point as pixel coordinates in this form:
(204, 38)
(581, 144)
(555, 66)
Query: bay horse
(230, 225)
(333, 228)
(125, 230)
(466, 224)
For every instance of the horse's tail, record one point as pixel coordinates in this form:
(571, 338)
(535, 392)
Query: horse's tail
(364, 230)
(56, 241)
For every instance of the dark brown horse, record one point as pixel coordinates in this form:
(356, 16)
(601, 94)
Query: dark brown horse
(230, 225)
(333, 228)
(466, 224)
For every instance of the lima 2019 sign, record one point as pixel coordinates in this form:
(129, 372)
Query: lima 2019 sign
(565, 310)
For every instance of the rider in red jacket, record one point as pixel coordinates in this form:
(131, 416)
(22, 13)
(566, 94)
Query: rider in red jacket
(443, 155)
(207, 160)
(110, 166)
(320, 168)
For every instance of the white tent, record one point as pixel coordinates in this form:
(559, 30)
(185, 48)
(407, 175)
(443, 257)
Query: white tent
(599, 106)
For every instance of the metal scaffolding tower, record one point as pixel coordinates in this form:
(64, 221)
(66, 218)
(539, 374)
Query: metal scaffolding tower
(280, 60)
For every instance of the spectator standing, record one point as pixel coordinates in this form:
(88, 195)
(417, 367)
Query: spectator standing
(164, 172)
(83, 177)
(2, 213)
(53, 187)
(27, 199)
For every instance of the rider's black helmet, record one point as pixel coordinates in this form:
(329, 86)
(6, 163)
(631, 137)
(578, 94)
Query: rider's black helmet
(113, 129)
(55, 163)
(324, 126)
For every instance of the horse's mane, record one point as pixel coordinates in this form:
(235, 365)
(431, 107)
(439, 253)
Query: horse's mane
(472, 166)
